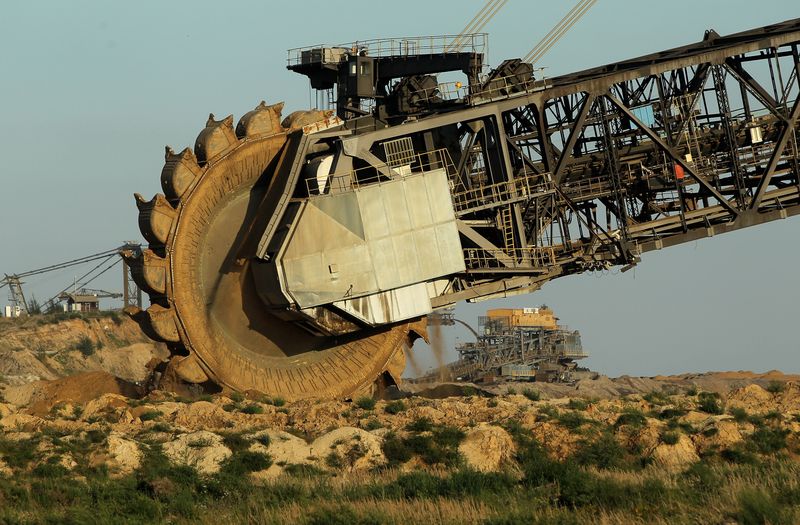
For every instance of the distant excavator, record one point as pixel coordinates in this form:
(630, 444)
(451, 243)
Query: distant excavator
(513, 344)
(300, 256)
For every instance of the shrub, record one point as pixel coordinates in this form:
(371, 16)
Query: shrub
(372, 424)
(85, 346)
(161, 427)
(235, 441)
(738, 455)
(756, 507)
(253, 409)
(439, 447)
(237, 397)
(263, 439)
(578, 404)
(604, 453)
(334, 460)
(422, 424)
(691, 391)
(340, 515)
(365, 403)
(200, 443)
(395, 407)
(49, 471)
(533, 395)
(656, 397)
(776, 387)
(768, 440)
(671, 413)
(631, 417)
(739, 414)
(95, 436)
(424, 447)
(709, 403)
(571, 420)
(243, 462)
(447, 436)
(670, 438)
(703, 478)
(395, 449)
(150, 415)
(302, 470)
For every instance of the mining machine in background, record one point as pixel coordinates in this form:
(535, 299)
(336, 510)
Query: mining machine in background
(514, 344)
(300, 255)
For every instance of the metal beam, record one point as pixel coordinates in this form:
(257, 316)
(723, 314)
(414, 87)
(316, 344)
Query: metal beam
(577, 131)
(780, 146)
(485, 244)
(674, 156)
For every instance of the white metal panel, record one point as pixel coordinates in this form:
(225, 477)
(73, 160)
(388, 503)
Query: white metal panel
(419, 209)
(373, 215)
(387, 236)
(390, 306)
(394, 201)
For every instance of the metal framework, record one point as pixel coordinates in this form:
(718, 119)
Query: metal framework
(590, 170)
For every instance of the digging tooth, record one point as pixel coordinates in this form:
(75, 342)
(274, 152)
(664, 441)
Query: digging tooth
(263, 120)
(188, 368)
(180, 171)
(157, 322)
(217, 138)
(148, 270)
(155, 218)
(303, 118)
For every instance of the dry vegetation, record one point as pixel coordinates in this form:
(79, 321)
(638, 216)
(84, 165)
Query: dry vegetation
(662, 457)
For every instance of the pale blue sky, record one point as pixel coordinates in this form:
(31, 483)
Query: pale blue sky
(91, 92)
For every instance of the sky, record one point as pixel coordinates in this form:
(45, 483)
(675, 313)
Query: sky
(91, 92)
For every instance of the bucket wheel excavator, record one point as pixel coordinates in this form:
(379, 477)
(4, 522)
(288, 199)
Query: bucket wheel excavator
(300, 256)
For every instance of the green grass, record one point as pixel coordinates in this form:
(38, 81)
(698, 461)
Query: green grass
(237, 397)
(86, 346)
(740, 415)
(395, 407)
(670, 437)
(422, 424)
(776, 387)
(533, 395)
(596, 490)
(433, 444)
(577, 404)
(150, 415)
(710, 403)
(631, 417)
(757, 507)
(253, 409)
(365, 403)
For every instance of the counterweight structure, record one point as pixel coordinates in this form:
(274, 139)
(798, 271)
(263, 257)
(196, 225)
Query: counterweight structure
(300, 256)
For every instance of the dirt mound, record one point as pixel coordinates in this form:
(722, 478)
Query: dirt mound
(77, 389)
(201, 450)
(48, 347)
(488, 448)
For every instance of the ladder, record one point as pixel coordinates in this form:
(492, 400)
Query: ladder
(507, 227)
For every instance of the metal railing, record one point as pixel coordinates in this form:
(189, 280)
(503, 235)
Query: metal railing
(401, 47)
(371, 175)
(517, 259)
(506, 87)
(490, 195)
(499, 88)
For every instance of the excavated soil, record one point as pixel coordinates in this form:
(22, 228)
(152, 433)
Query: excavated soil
(55, 393)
